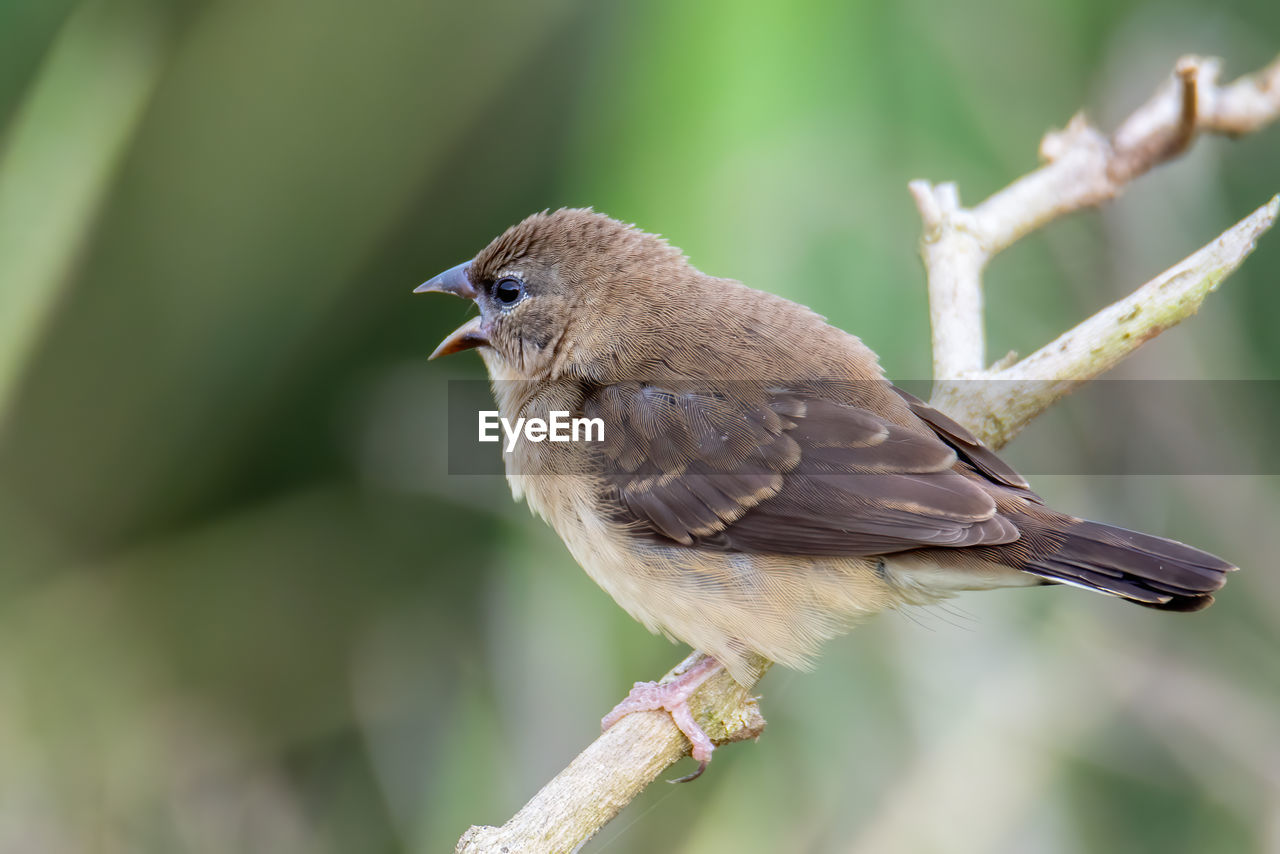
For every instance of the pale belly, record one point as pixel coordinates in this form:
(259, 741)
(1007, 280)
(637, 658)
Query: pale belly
(730, 605)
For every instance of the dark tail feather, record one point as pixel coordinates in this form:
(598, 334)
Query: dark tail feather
(1151, 571)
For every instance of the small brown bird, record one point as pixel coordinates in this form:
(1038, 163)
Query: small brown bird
(759, 484)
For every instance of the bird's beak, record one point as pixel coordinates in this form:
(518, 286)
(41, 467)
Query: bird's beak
(466, 336)
(452, 281)
(470, 334)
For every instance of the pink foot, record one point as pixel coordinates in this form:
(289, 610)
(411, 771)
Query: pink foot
(672, 697)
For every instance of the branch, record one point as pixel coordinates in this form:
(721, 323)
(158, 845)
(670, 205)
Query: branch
(616, 767)
(1084, 168)
(998, 403)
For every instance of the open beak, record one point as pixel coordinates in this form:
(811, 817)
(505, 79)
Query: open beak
(470, 334)
(465, 337)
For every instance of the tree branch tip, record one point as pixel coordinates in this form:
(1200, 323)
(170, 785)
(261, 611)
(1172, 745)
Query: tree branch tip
(948, 194)
(1187, 66)
(1205, 69)
(1188, 73)
(927, 205)
(744, 723)
(1257, 223)
(1260, 222)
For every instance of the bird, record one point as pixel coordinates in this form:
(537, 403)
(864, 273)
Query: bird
(758, 486)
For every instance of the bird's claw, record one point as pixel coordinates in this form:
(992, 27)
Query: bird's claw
(688, 778)
(673, 698)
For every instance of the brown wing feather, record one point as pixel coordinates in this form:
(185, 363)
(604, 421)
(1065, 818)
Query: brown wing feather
(967, 446)
(785, 472)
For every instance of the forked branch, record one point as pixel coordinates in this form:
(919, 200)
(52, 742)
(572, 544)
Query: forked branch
(1083, 168)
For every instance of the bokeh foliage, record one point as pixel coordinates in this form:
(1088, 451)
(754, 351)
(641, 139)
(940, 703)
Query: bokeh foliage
(243, 607)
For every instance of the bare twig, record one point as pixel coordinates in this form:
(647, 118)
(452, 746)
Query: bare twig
(998, 403)
(1084, 168)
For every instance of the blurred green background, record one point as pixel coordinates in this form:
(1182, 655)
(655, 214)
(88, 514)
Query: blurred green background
(244, 608)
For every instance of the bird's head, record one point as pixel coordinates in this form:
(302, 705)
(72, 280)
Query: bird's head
(569, 292)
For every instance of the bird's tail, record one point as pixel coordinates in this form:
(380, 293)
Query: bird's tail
(1150, 571)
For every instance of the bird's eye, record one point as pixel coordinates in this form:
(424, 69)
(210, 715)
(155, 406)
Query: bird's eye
(508, 290)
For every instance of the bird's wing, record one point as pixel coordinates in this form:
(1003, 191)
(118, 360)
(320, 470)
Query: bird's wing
(968, 448)
(788, 472)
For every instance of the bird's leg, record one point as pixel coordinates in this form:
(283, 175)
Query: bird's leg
(673, 697)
